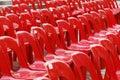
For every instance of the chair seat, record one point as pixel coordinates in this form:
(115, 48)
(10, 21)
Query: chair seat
(38, 65)
(24, 73)
(61, 55)
(77, 47)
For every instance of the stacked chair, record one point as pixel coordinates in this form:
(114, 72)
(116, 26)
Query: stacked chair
(60, 40)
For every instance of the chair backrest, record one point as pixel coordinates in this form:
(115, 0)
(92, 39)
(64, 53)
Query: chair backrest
(55, 12)
(64, 25)
(38, 19)
(111, 17)
(48, 17)
(15, 20)
(63, 12)
(6, 27)
(27, 21)
(29, 47)
(105, 18)
(59, 70)
(83, 60)
(92, 22)
(98, 51)
(25, 8)
(53, 35)
(77, 25)
(42, 39)
(98, 20)
(86, 25)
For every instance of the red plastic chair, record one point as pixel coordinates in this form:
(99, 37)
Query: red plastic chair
(59, 70)
(73, 44)
(81, 60)
(15, 20)
(82, 30)
(99, 51)
(9, 47)
(27, 21)
(46, 44)
(6, 27)
(30, 50)
(59, 45)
